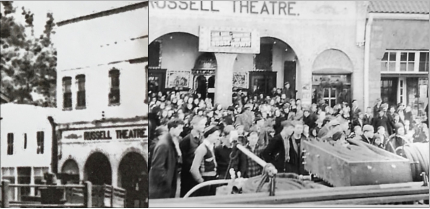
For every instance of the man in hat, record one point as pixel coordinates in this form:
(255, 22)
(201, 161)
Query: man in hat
(289, 93)
(368, 134)
(277, 151)
(380, 120)
(229, 118)
(377, 107)
(223, 151)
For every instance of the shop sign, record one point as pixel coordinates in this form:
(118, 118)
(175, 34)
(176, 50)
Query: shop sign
(272, 8)
(105, 134)
(229, 40)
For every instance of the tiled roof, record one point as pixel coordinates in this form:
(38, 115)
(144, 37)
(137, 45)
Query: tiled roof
(403, 7)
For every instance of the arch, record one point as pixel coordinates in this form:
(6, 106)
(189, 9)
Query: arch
(133, 177)
(70, 166)
(98, 169)
(332, 61)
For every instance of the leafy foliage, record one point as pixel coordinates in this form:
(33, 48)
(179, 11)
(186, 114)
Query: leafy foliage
(27, 63)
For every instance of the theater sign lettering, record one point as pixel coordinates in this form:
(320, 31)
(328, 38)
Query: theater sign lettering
(281, 8)
(106, 134)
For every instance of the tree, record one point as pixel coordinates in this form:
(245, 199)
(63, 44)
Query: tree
(28, 64)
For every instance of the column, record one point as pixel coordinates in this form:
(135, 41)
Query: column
(15, 190)
(224, 78)
(32, 181)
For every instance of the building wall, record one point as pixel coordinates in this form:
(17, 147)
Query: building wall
(93, 47)
(393, 34)
(308, 33)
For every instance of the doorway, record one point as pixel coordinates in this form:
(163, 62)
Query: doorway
(133, 177)
(290, 74)
(211, 88)
(98, 169)
(201, 86)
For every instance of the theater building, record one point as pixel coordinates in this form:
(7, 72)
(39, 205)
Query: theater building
(102, 92)
(318, 47)
(397, 53)
(25, 149)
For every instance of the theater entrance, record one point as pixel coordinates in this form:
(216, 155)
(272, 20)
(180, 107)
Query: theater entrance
(133, 177)
(204, 75)
(98, 170)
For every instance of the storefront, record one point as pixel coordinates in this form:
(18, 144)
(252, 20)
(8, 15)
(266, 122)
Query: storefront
(102, 95)
(256, 46)
(398, 54)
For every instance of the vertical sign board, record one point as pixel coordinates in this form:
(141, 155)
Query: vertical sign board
(229, 40)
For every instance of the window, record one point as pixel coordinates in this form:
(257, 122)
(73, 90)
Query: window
(389, 90)
(330, 95)
(10, 143)
(25, 141)
(389, 61)
(424, 62)
(263, 61)
(67, 92)
(40, 141)
(114, 95)
(80, 83)
(405, 61)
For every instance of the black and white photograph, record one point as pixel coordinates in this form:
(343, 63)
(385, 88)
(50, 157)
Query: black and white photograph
(288, 103)
(74, 104)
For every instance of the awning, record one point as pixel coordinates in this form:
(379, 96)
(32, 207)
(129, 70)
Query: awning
(331, 71)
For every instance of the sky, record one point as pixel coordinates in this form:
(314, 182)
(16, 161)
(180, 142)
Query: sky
(63, 10)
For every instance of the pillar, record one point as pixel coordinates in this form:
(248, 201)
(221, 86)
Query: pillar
(32, 181)
(224, 78)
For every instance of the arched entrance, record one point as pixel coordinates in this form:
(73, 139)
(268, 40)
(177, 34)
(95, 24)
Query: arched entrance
(331, 78)
(133, 176)
(70, 172)
(204, 74)
(275, 65)
(98, 170)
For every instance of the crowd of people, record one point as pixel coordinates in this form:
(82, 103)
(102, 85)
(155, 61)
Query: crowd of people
(194, 141)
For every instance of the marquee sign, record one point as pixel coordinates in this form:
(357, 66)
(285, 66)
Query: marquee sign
(229, 40)
(106, 134)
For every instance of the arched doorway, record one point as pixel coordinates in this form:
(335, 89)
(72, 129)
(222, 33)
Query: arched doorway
(70, 172)
(133, 176)
(204, 74)
(331, 78)
(276, 64)
(98, 170)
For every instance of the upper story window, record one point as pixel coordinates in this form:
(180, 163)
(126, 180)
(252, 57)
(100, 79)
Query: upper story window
(405, 61)
(40, 142)
(10, 143)
(114, 94)
(80, 83)
(67, 92)
(25, 141)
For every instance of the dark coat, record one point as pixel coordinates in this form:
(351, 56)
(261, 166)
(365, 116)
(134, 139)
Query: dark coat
(164, 170)
(380, 121)
(295, 164)
(356, 122)
(275, 153)
(187, 149)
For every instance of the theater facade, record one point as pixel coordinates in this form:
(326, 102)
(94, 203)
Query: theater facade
(102, 130)
(217, 48)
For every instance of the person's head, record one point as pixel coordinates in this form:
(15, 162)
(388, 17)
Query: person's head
(161, 130)
(379, 139)
(369, 110)
(381, 112)
(196, 101)
(199, 123)
(175, 126)
(190, 100)
(381, 130)
(240, 129)
(283, 96)
(287, 128)
(361, 115)
(357, 130)
(212, 134)
(378, 101)
(368, 131)
(287, 85)
(306, 113)
(253, 138)
(298, 102)
(408, 108)
(305, 129)
(278, 91)
(392, 109)
(277, 113)
(199, 95)
(261, 96)
(400, 129)
(272, 102)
